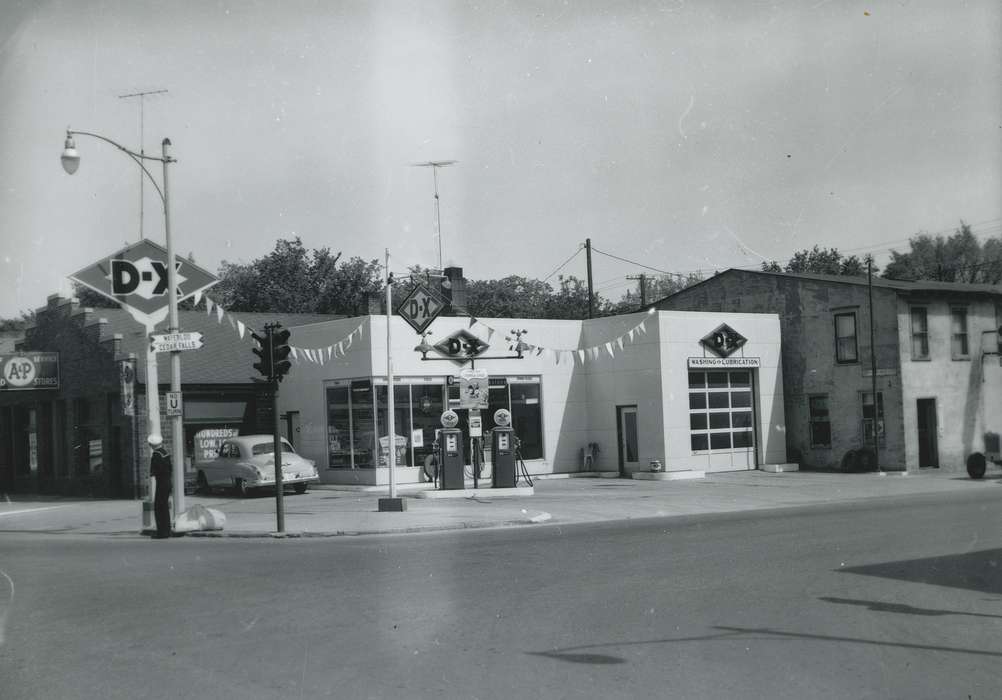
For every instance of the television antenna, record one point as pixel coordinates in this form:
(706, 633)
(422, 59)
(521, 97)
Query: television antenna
(435, 165)
(142, 100)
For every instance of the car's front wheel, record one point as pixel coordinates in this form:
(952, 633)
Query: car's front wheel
(300, 488)
(241, 488)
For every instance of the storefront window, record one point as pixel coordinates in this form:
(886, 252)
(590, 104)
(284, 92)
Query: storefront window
(401, 424)
(351, 427)
(426, 412)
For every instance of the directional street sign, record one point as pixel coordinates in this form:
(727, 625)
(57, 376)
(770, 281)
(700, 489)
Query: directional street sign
(169, 342)
(420, 307)
(136, 277)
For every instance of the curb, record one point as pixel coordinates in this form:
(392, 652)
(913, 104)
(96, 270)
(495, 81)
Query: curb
(261, 534)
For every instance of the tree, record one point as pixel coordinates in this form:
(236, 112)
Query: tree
(656, 287)
(958, 258)
(292, 279)
(820, 261)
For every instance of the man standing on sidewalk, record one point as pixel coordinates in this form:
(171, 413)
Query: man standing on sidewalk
(161, 470)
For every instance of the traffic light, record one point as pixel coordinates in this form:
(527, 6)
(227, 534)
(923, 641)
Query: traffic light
(264, 352)
(280, 351)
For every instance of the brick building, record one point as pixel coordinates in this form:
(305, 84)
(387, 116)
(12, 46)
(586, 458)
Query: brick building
(77, 438)
(939, 383)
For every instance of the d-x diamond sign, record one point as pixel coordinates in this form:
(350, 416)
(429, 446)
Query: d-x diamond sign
(420, 307)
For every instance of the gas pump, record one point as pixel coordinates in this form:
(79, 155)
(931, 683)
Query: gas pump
(450, 453)
(503, 475)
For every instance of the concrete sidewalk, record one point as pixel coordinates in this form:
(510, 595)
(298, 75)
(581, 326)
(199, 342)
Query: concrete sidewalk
(325, 512)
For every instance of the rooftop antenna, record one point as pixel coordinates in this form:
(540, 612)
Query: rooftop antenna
(142, 100)
(435, 165)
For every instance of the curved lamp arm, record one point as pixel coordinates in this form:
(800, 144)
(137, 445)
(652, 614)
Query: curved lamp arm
(70, 151)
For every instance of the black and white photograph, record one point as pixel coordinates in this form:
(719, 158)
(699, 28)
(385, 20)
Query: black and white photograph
(517, 349)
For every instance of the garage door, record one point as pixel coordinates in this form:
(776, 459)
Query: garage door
(721, 419)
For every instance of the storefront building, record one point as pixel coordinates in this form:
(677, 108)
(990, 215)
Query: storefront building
(85, 433)
(610, 394)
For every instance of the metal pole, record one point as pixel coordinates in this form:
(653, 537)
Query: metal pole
(390, 427)
(438, 216)
(277, 437)
(591, 296)
(177, 422)
(873, 366)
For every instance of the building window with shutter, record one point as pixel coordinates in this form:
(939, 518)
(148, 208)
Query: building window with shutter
(920, 333)
(821, 427)
(846, 350)
(958, 334)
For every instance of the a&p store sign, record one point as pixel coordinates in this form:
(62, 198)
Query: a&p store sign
(29, 370)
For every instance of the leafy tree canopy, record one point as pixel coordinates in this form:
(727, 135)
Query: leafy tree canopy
(292, 279)
(820, 261)
(961, 257)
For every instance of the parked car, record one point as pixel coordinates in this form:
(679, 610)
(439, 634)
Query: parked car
(248, 462)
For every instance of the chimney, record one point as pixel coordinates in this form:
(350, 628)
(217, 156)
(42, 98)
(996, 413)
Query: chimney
(456, 291)
(375, 304)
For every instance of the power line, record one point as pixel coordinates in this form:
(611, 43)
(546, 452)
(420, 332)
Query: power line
(564, 263)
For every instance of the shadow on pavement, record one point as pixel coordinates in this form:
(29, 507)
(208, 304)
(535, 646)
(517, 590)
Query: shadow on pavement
(973, 571)
(728, 634)
(879, 606)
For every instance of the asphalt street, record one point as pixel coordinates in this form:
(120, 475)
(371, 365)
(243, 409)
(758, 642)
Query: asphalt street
(872, 599)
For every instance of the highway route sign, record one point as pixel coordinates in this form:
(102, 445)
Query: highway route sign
(173, 404)
(171, 342)
(420, 307)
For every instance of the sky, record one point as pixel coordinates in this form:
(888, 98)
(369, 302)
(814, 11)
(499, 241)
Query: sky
(675, 135)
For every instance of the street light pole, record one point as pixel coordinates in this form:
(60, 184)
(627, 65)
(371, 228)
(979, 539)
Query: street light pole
(71, 161)
(177, 421)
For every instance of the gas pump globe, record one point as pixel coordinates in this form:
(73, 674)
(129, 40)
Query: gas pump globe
(502, 418)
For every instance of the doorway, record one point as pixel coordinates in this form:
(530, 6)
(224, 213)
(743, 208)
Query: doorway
(292, 428)
(626, 427)
(927, 431)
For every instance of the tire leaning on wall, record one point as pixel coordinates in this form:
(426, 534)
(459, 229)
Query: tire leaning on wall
(976, 464)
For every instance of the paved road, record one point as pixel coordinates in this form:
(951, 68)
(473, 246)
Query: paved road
(874, 599)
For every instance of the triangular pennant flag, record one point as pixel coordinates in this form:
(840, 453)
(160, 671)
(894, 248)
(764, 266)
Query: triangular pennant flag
(619, 342)
(340, 347)
(490, 334)
(581, 354)
(631, 334)
(556, 356)
(240, 328)
(608, 347)
(594, 353)
(642, 327)
(208, 305)
(473, 322)
(219, 313)
(232, 324)
(198, 298)
(292, 351)
(330, 351)
(349, 342)
(539, 351)
(359, 331)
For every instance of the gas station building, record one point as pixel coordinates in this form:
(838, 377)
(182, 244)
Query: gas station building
(604, 395)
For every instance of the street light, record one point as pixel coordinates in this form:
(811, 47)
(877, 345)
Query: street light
(70, 159)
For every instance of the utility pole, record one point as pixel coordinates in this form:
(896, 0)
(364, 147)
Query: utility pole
(142, 99)
(591, 293)
(873, 367)
(643, 287)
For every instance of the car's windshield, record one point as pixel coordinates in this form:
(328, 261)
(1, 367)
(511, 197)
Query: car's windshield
(266, 448)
